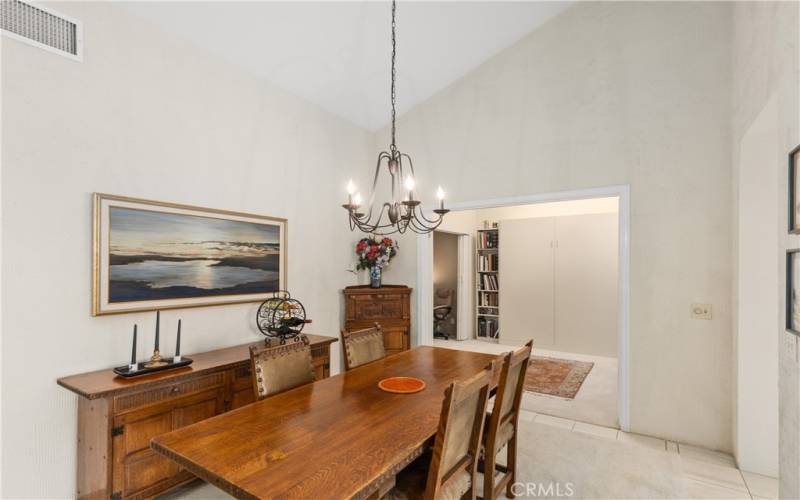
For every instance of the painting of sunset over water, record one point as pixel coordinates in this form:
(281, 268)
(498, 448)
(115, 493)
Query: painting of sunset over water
(152, 255)
(156, 255)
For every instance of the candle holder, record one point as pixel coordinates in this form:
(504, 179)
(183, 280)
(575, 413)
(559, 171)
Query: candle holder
(155, 360)
(156, 363)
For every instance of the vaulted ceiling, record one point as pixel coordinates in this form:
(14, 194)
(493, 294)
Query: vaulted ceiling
(336, 54)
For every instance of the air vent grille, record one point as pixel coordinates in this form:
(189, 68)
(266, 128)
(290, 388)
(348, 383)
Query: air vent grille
(40, 26)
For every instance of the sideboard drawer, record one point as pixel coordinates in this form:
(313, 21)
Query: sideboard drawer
(166, 392)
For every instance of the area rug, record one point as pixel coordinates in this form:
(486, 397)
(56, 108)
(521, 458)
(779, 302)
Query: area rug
(556, 377)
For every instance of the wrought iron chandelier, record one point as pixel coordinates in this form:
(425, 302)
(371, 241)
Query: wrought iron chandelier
(403, 211)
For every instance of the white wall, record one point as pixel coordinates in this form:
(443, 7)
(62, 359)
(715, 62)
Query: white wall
(551, 209)
(758, 307)
(608, 94)
(766, 74)
(144, 115)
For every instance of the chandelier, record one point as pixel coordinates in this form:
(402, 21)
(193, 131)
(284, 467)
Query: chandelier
(402, 212)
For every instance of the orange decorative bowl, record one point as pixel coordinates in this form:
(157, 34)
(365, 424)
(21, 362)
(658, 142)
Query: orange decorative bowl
(401, 385)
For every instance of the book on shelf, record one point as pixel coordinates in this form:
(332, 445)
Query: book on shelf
(490, 262)
(488, 327)
(488, 239)
(488, 282)
(488, 300)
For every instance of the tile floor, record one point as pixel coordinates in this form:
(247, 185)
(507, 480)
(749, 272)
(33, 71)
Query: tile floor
(558, 455)
(595, 403)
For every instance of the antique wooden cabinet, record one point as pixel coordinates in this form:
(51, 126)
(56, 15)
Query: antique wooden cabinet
(389, 306)
(118, 417)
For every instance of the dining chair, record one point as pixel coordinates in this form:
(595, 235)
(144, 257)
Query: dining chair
(449, 470)
(280, 367)
(501, 426)
(362, 346)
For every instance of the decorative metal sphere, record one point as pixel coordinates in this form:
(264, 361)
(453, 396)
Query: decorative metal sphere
(281, 317)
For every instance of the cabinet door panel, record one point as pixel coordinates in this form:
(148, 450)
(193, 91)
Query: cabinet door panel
(136, 467)
(137, 434)
(394, 339)
(368, 309)
(242, 397)
(146, 469)
(392, 308)
(195, 412)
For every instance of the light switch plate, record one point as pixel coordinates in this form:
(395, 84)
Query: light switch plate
(701, 311)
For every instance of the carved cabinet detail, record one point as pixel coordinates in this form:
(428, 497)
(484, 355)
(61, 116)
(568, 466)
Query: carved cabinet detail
(390, 306)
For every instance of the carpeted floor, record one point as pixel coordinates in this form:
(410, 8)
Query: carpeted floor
(595, 467)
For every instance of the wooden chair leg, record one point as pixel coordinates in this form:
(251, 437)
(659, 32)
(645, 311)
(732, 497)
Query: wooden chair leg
(511, 454)
(488, 475)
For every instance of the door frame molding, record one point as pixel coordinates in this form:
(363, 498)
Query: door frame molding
(424, 292)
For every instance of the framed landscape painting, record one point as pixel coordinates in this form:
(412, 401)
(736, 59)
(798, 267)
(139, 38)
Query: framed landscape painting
(150, 255)
(793, 291)
(794, 191)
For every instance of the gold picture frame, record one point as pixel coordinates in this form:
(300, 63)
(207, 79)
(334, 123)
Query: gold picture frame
(173, 256)
(794, 191)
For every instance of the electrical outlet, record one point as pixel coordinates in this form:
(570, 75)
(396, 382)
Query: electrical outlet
(701, 311)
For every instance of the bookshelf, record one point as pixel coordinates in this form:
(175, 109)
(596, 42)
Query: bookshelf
(487, 285)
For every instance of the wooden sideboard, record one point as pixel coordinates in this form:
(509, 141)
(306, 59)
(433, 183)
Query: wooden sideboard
(118, 417)
(389, 306)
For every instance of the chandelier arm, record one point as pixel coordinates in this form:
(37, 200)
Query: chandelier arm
(366, 220)
(410, 164)
(428, 229)
(419, 229)
(381, 155)
(420, 225)
(367, 226)
(429, 221)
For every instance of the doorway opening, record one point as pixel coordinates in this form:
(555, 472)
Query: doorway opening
(550, 267)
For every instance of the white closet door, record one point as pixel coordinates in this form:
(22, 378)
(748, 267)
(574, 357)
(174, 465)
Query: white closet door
(526, 281)
(586, 284)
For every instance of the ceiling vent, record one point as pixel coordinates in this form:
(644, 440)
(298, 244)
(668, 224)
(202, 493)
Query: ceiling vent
(41, 27)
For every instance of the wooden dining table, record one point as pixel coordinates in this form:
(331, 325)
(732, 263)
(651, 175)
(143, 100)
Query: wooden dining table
(341, 437)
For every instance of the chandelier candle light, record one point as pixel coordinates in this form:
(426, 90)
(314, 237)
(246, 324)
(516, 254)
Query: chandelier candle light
(400, 213)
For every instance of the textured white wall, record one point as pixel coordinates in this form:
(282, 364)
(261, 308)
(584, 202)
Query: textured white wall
(150, 116)
(607, 94)
(766, 67)
(757, 308)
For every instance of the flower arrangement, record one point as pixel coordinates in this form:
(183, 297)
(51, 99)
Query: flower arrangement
(374, 252)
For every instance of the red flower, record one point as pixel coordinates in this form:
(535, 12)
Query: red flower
(387, 242)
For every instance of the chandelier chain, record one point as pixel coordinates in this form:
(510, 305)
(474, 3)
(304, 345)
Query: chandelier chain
(394, 72)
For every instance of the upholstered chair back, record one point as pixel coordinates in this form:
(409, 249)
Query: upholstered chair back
(362, 346)
(280, 367)
(454, 461)
(501, 426)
